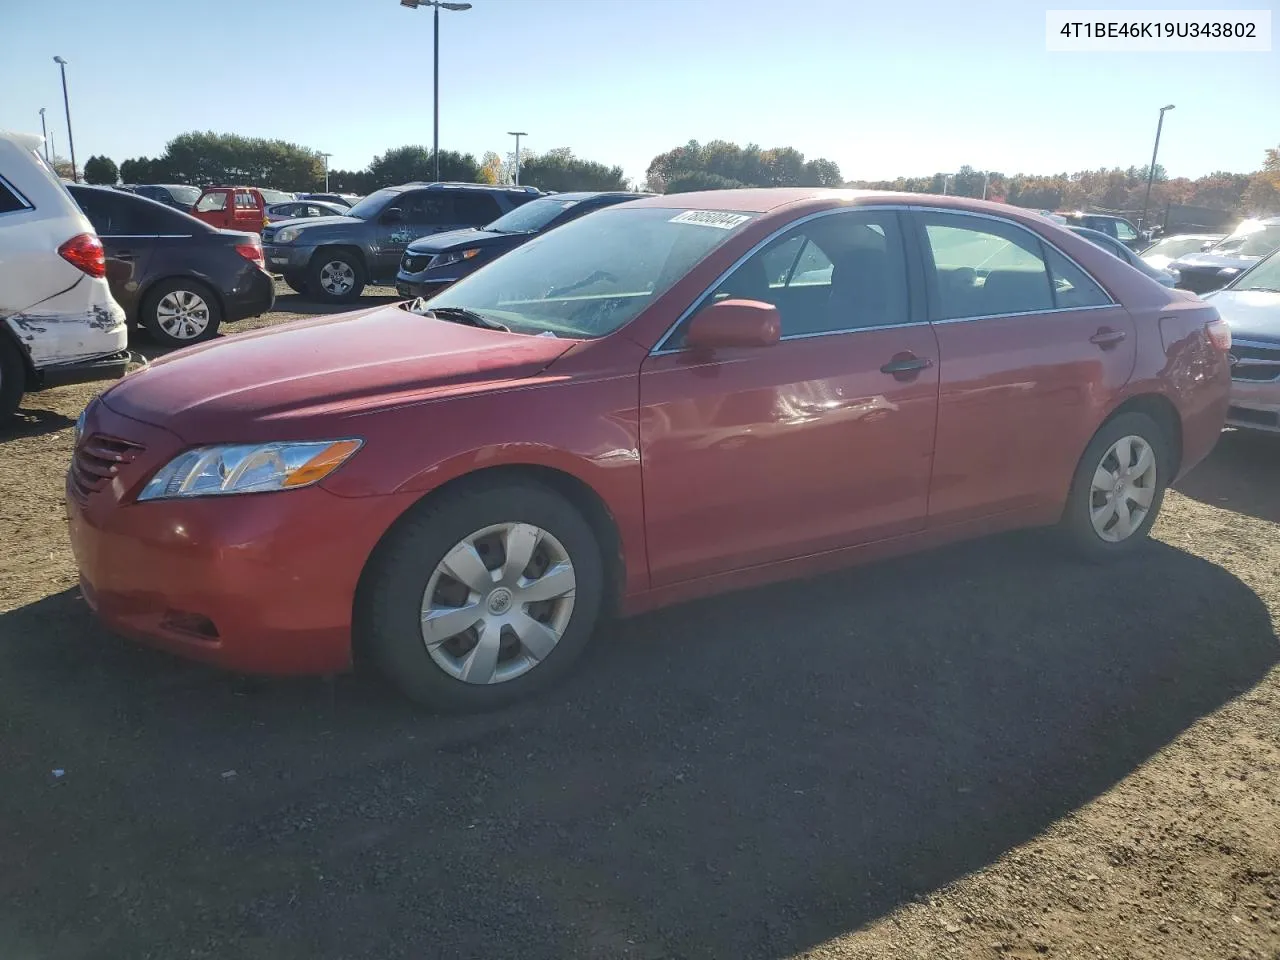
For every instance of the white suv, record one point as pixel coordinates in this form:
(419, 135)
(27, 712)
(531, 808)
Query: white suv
(58, 322)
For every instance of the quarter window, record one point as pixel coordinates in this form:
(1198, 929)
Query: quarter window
(984, 268)
(9, 199)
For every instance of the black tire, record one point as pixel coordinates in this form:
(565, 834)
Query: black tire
(296, 283)
(148, 314)
(389, 615)
(1076, 525)
(13, 377)
(324, 258)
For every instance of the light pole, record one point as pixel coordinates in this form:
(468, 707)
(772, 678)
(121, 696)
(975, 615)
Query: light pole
(44, 130)
(66, 102)
(517, 134)
(945, 178)
(326, 170)
(986, 178)
(1151, 170)
(435, 85)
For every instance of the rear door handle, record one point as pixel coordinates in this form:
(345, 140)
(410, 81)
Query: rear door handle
(904, 366)
(1107, 338)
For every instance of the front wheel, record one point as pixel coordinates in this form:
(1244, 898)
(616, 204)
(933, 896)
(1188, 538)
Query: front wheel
(1118, 487)
(483, 596)
(13, 378)
(335, 277)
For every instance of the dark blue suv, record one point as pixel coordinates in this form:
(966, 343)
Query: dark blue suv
(432, 263)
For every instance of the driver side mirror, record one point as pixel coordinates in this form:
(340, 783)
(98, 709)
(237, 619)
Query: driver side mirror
(392, 215)
(734, 323)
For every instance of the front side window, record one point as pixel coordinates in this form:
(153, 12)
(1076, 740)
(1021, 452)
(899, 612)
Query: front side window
(835, 273)
(212, 201)
(373, 204)
(593, 275)
(984, 267)
(1124, 231)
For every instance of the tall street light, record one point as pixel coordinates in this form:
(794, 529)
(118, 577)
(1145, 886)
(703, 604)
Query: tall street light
(44, 130)
(66, 102)
(1151, 170)
(326, 170)
(517, 134)
(435, 88)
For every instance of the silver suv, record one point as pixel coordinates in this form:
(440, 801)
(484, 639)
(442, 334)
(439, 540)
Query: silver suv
(331, 259)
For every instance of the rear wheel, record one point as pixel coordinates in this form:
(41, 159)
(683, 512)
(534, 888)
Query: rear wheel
(482, 596)
(13, 377)
(1118, 487)
(335, 277)
(296, 283)
(178, 313)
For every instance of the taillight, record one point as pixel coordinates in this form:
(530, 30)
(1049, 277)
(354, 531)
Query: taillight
(84, 252)
(251, 251)
(1219, 334)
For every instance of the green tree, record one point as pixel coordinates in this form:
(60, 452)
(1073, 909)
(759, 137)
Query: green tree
(208, 158)
(560, 170)
(746, 166)
(410, 164)
(101, 170)
(145, 170)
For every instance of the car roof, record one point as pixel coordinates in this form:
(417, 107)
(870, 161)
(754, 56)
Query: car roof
(1090, 233)
(580, 195)
(458, 185)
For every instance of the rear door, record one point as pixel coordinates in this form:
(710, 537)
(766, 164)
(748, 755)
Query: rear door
(1033, 351)
(247, 213)
(423, 212)
(128, 238)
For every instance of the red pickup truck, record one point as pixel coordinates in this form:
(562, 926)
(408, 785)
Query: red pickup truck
(232, 208)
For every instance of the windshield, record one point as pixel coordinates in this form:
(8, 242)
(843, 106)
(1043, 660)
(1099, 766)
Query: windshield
(1258, 242)
(187, 195)
(372, 205)
(1174, 247)
(531, 217)
(1263, 276)
(591, 276)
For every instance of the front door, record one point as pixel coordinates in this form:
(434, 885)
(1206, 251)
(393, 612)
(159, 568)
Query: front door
(1032, 350)
(824, 440)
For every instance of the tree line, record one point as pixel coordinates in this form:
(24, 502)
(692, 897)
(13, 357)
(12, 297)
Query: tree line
(1115, 190)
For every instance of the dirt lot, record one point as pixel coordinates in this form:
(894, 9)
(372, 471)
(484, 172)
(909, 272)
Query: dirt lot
(990, 751)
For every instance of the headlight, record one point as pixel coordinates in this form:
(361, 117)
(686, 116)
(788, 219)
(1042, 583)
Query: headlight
(288, 234)
(247, 468)
(79, 431)
(445, 259)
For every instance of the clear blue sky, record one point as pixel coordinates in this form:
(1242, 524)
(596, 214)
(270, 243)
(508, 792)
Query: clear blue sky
(881, 88)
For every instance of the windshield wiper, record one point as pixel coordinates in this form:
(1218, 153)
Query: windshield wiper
(461, 315)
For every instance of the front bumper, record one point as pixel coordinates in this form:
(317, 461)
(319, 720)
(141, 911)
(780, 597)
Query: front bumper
(416, 286)
(287, 258)
(1255, 405)
(256, 583)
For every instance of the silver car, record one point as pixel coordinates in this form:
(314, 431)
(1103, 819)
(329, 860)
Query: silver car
(1251, 306)
(300, 209)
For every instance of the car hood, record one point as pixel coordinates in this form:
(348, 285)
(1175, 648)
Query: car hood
(271, 383)
(1251, 314)
(459, 239)
(1211, 261)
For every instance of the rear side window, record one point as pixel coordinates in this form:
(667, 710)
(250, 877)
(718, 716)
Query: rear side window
(10, 201)
(985, 268)
(427, 209)
(212, 201)
(475, 208)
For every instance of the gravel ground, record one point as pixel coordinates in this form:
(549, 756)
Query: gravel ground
(989, 751)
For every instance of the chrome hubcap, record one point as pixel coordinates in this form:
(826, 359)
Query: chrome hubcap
(1124, 485)
(498, 603)
(337, 278)
(182, 314)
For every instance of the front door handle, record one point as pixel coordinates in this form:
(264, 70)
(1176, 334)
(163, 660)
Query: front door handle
(904, 366)
(1107, 338)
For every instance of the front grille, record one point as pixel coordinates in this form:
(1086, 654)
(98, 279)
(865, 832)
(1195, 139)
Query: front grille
(97, 459)
(1257, 364)
(413, 263)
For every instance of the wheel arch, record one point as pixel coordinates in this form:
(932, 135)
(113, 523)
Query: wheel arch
(145, 292)
(1160, 409)
(351, 248)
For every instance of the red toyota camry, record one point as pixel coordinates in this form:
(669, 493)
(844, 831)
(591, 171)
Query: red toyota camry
(675, 396)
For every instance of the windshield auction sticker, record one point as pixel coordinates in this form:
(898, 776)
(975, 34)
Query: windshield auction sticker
(711, 218)
(1158, 31)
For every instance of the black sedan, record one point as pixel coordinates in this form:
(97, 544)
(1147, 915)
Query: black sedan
(432, 263)
(175, 275)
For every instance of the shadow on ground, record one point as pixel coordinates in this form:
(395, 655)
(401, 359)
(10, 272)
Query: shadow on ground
(1242, 474)
(33, 421)
(739, 777)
